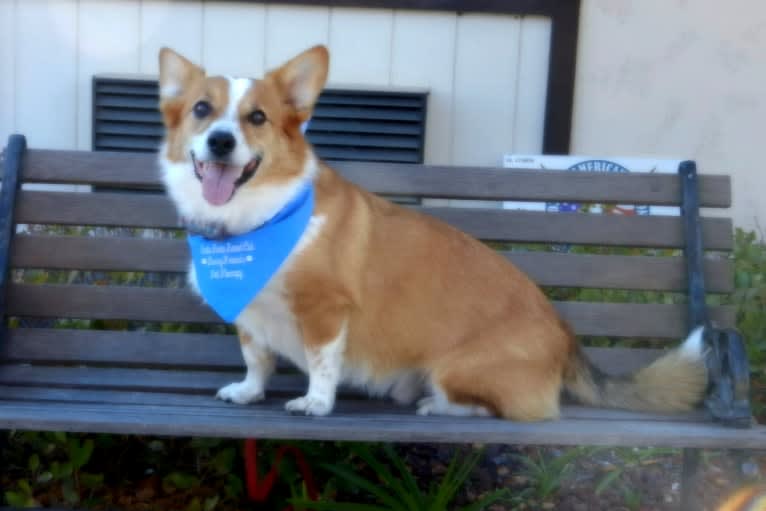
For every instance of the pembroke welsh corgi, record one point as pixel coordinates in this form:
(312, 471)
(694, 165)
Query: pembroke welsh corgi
(374, 294)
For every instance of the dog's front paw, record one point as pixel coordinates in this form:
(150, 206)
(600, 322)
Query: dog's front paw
(309, 405)
(241, 393)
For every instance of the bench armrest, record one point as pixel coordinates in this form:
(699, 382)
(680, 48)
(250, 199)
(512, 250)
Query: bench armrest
(728, 398)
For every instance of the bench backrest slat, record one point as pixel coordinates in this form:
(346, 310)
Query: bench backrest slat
(194, 351)
(156, 211)
(141, 170)
(179, 305)
(547, 269)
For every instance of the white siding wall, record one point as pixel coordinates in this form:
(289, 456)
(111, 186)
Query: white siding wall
(486, 74)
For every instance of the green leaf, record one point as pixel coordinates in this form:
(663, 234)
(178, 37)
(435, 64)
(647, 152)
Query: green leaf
(181, 481)
(80, 455)
(34, 462)
(70, 494)
(17, 499)
(65, 470)
(45, 477)
(223, 462)
(56, 469)
(360, 482)
(194, 505)
(407, 477)
(91, 481)
(607, 480)
(453, 480)
(211, 503)
(632, 498)
(24, 486)
(408, 500)
(234, 488)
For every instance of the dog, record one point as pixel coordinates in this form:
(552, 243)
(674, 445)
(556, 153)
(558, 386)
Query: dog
(373, 294)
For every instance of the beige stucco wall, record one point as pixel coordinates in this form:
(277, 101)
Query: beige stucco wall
(677, 78)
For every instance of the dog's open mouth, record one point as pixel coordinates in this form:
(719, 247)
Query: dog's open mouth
(220, 180)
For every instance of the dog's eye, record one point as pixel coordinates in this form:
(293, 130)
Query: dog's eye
(257, 117)
(202, 109)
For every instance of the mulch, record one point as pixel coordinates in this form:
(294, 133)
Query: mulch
(652, 485)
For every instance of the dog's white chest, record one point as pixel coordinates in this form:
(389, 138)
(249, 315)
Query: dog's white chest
(271, 323)
(268, 319)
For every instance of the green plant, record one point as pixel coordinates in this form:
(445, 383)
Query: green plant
(22, 496)
(750, 296)
(397, 489)
(56, 465)
(545, 475)
(631, 458)
(632, 498)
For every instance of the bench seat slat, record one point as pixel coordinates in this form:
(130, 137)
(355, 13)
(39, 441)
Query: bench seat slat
(156, 211)
(47, 394)
(196, 351)
(180, 305)
(350, 425)
(547, 269)
(141, 170)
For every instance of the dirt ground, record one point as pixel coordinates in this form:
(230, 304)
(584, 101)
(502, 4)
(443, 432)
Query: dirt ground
(632, 480)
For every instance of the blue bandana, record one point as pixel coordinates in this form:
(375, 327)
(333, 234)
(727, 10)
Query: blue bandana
(231, 271)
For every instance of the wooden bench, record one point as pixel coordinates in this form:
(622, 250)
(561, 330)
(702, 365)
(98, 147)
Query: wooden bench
(56, 376)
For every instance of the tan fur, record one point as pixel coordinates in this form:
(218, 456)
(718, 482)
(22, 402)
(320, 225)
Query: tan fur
(415, 293)
(672, 383)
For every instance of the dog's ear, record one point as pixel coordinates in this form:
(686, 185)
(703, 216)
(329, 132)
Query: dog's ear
(176, 73)
(302, 78)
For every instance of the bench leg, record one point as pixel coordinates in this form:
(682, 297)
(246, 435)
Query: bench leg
(690, 500)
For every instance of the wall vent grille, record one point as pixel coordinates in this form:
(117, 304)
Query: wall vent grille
(348, 123)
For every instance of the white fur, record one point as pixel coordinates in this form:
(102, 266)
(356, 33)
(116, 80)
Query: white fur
(247, 209)
(238, 87)
(191, 279)
(229, 122)
(404, 387)
(271, 323)
(325, 366)
(260, 365)
(693, 347)
(170, 90)
(438, 404)
(408, 388)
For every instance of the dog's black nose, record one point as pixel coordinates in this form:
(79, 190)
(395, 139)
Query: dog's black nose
(221, 143)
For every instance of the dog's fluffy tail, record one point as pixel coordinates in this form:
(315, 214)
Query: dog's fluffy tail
(675, 382)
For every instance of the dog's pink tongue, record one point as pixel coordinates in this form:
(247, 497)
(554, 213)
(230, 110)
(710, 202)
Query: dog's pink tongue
(218, 182)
